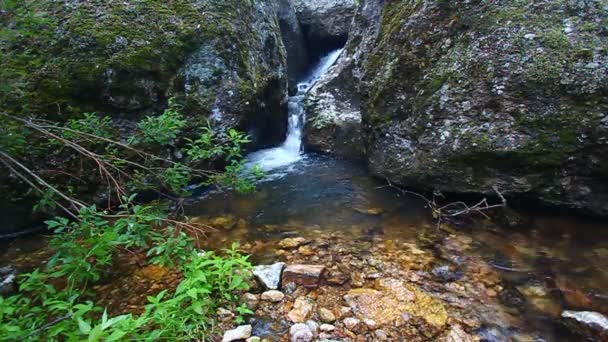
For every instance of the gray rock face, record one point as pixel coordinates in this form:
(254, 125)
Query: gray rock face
(242, 85)
(269, 275)
(325, 19)
(333, 120)
(240, 333)
(294, 41)
(488, 100)
(587, 323)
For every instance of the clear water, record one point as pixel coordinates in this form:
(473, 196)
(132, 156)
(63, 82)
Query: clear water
(518, 280)
(291, 150)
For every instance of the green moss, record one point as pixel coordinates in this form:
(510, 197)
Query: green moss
(73, 46)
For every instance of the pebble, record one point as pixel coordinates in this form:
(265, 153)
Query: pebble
(314, 327)
(326, 315)
(351, 323)
(300, 333)
(327, 327)
(302, 310)
(239, 333)
(251, 300)
(273, 296)
(371, 324)
(381, 335)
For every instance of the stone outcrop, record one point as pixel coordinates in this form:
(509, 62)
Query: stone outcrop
(463, 96)
(325, 20)
(225, 60)
(333, 122)
(295, 43)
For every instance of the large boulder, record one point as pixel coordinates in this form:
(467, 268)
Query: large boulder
(463, 96)
(333, 120)
(225, 59)
(325, 20)
(333, 105)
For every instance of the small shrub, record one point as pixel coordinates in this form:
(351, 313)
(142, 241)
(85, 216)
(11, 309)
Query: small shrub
(162, 129)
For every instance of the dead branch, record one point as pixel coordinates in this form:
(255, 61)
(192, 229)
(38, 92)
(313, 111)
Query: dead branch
(454, 209)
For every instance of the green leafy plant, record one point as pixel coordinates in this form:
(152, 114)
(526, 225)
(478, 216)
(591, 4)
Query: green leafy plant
(169, 247)
(177, 177)
(90, 123)
(210, 281)
(162, 129)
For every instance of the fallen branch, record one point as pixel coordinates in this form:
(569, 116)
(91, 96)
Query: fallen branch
(454, 209)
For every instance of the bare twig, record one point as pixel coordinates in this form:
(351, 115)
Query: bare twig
(454, 209)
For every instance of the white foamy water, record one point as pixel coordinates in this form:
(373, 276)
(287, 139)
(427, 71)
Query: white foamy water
(291, 149)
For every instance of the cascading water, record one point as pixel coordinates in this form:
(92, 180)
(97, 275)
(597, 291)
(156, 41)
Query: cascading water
(291, 149)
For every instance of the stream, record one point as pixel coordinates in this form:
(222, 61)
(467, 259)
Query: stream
(502, 281)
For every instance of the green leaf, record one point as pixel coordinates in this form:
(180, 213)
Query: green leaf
(83, 326)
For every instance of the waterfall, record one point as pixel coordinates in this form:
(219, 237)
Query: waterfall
(291, 149)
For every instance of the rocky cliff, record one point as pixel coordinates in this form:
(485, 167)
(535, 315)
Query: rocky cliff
(461, 96)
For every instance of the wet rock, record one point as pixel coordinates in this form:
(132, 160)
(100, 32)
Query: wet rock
(290, 243)
(326, 315)
(445, 274)
(381, 335)
(302, 310)
(392, 298)
(300, 333)
(457, 334)
(240, 333)
(8, 277)
(303, 275)
(273, 296)
(337, 279)
(306, 251)
(351, 323)
(269, 275)
(225, 222)
(590, 324)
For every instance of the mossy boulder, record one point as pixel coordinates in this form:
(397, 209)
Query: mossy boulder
(126, 58)
(462, 96)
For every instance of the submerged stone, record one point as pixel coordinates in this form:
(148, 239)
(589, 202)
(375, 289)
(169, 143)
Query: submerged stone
(289, 243)
(302, 310)
(391, 299)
